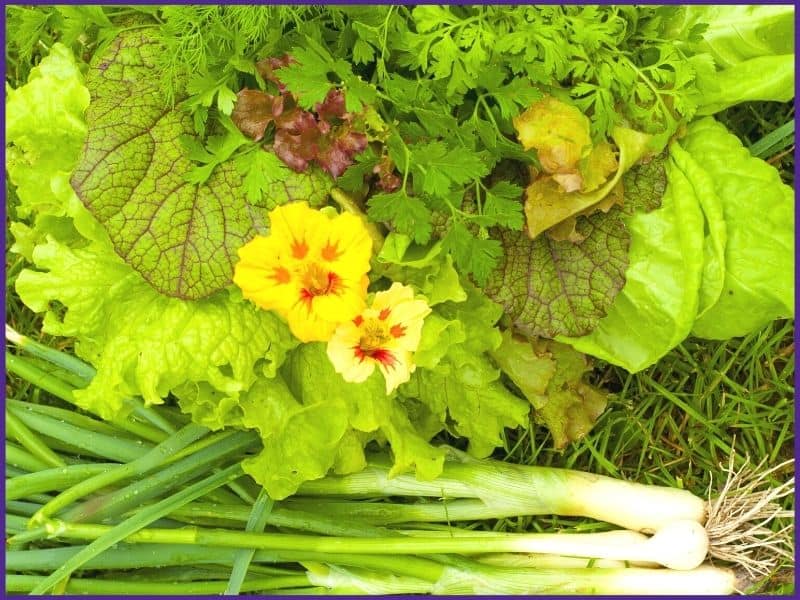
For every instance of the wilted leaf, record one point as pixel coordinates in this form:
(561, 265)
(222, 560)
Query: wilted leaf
(550, 375)
(597, 167)
(547, 204)
(559, 132)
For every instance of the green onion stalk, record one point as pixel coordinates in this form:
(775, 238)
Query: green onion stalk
(385, 573)
(680, 545)
(737, 521)
(499, 490)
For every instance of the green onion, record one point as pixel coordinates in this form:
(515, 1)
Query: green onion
(510, 490)
(31, 583)
(681, 545)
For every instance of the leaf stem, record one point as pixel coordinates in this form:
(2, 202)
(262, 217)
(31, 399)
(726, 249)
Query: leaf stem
(31, 442)
(83, 370)
(60, 389)
(137, 556)
(122, 500)
(116, 448)
(153, 459)
(30, 583)
(141, 519)
(256, 522)
(21, 459)
(53, 479)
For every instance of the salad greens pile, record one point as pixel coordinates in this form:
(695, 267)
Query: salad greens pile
(549, 172)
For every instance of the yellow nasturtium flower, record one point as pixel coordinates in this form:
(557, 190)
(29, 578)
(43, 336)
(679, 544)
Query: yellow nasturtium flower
(384, 335)
(311, 269)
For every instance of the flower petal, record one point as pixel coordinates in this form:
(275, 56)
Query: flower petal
(295, 226)
(398, 372)
(306, 324)
(392, 297)
(261, 277)
(345, 304)
(410, 317)
(345, 246)
(342, 354)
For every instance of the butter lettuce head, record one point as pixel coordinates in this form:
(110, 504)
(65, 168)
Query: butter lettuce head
(732, 34)
(715, 261)
(758, 209)
(656, 308)
(741, 53)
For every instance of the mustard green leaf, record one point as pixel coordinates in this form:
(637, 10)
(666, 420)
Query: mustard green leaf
(181, 237)
(644, 185)
(550, 288)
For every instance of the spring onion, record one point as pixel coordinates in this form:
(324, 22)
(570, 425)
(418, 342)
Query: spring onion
(509, 490)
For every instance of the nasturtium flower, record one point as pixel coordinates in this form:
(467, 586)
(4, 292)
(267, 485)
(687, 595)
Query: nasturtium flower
(311, 269)
(385, 335)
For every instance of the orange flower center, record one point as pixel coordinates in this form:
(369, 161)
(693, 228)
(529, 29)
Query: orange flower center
(375, 336)
(319, 282)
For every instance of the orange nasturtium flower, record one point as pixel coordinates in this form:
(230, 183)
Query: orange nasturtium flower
(310, 269)
(384, 335)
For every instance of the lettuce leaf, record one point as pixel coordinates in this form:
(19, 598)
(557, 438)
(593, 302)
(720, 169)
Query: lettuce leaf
(769, 78)
(551, 377)
(734, 34)
(758, 209)
(657, 306)
(716, 261)
(459, 384)
(741, 53)
(46, 127)
(141, 342)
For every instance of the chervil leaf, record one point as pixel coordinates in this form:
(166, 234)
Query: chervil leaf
(359, 94)
(363, 53)
(503, 204)
(307, 77)
(478, 257)
(437, 166)
(260, 169)
(407, 214)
